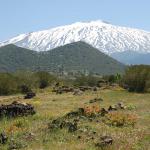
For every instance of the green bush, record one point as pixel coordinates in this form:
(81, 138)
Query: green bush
(44, 79)
(24, 81)
(8, 84)
(86, 81)
(112, 78)
(137, 78)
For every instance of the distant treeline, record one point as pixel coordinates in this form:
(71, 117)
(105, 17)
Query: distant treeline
(135, 79)
(23, 82)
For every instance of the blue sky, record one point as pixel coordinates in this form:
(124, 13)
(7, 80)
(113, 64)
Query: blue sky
(21, 16)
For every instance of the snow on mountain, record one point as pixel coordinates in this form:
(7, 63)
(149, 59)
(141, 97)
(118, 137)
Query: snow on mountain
(106, 37)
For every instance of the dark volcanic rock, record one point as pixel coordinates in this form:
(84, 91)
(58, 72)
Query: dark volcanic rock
(77, 92)
(96, 100)
(63, 89)
(3, 138)
(77, 113)
(95, 89)
(104, 141)
(72, 127)
(112, 108)
(103, 112)
(85, 88)
(120, 105)
(16, 109)
(29, 95)
(116, 107)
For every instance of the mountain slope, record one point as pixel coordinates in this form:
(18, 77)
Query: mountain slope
(77, 56)
(106, 37)
(14, 58)
(81, 56)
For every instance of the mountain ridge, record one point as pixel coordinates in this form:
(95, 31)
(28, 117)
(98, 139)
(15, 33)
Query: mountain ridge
(106, 37)
(73, 57)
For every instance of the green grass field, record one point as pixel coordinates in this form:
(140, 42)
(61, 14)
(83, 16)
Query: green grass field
(32, 133)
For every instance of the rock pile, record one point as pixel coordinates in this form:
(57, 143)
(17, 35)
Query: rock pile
(71, 118)
(16, 109)
(96, 100)
(72, 122)
(3, 138)
(29, 95)
(63, 89)
(104, 141)
(116, 107)
(76, 90)
(60, 123)
(85, 88)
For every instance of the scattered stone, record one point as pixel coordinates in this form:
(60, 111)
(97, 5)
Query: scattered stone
(61, 123)
(76, 120)
(59, 92)
(29, 95)
(79, 137)
(55, 124)
(103, 112)
(112, 108)
(94, 132)
(116, 107)
(120, 105)
(85, 88)
(30, 136)
(79, 112)
(72, 127)
(104, 141)
(57, 84)
(72, 114)
(77, 92)
(3, 138)
(90, 119)
(63, 89)
(96, 100)
(102, 83)
(95, 89)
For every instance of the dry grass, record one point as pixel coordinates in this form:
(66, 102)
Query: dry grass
(49, 106)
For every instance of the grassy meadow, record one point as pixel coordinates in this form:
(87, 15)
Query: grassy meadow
(32, 132)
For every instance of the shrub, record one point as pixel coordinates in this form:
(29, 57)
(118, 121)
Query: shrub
(86, 81)
(137, 78)
(147, 85)
(131, 107)
(112, 78)
(91, 110)
(24, 81)
(120, 119)
(44, 79)
(8, 84)
(25, 89)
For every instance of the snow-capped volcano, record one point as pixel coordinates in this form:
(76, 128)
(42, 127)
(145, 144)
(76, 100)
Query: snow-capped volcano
(106, 37)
